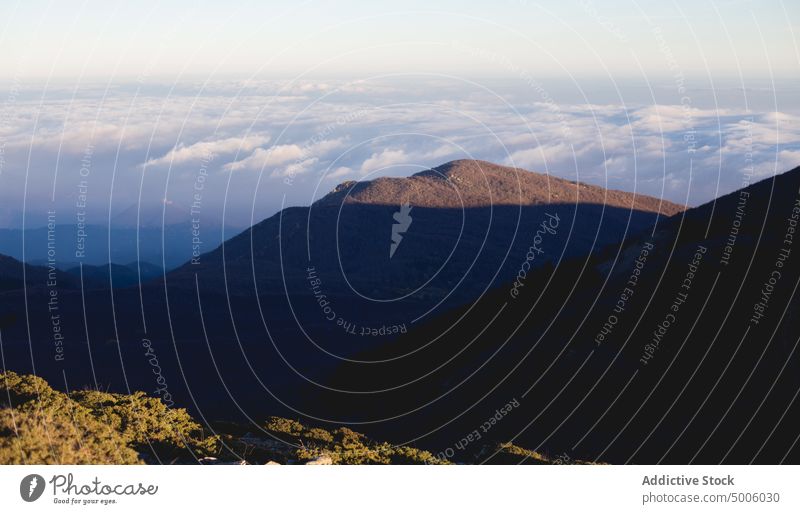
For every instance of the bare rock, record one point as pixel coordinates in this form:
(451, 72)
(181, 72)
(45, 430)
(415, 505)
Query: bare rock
(322, 460)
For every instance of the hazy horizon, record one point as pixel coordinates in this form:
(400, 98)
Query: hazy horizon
(271, 143)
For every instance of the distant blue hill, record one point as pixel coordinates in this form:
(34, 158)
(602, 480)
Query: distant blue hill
(97, 245)
(100, 277)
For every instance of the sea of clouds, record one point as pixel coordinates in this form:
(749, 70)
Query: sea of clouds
(240, 150)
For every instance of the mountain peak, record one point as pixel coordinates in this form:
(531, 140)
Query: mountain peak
(467, 167)
(468, 183)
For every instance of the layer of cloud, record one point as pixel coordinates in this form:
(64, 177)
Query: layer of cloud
(275, 157)
(268, 131)
(385, 159)
(209, 150)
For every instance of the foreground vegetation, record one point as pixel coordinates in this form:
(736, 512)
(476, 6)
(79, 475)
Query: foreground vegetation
(39, 425)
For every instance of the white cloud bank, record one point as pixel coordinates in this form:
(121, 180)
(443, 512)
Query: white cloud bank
(335, 131)
(208, 150)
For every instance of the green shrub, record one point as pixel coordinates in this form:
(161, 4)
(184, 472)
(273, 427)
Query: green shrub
(31, 393)
(144, 421)
(344, 446)
(54, 427)
(510, 449)
(508, 453)
(284, 426)
(51, 438)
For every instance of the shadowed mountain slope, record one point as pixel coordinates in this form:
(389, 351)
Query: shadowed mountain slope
(470, 225)
(680, 348)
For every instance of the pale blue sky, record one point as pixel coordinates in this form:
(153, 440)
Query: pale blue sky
(286, 38)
